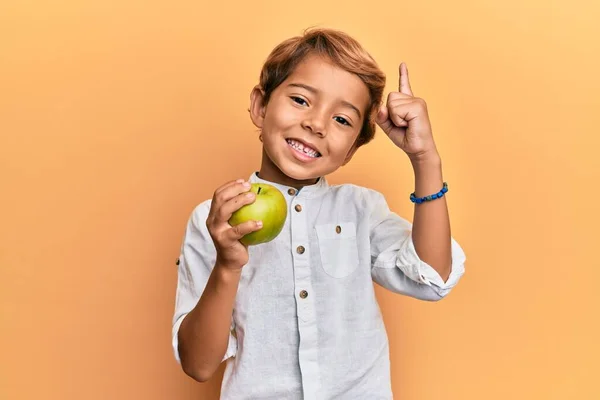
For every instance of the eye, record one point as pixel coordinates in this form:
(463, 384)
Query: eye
(342, 121)
(299, 100)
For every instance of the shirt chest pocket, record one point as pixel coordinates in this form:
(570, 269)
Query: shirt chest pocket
(338, 248)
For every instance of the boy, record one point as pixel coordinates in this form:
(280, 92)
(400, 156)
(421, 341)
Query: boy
(297, 317)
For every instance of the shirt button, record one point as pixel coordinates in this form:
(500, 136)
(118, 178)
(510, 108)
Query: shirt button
(303, 294)
(338, 229)
(300, 250)
(291, 191)
(298, 207)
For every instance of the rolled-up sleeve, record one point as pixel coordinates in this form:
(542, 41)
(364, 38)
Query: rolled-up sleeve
(394, 260)
(196, 261)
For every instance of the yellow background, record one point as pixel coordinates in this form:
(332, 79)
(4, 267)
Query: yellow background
(118, 117)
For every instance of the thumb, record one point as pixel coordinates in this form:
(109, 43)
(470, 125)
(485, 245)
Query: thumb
(383, 119)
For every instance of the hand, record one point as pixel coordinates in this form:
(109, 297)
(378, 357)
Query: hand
(405, 120)
(227, 199)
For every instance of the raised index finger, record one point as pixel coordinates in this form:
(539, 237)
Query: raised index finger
(404, 84)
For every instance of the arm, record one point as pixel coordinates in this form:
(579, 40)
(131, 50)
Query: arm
(210, 267)
(425, 251)
(204, 332)
(431, 223)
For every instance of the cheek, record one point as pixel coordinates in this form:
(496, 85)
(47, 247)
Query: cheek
(343, 143)
(281, 117)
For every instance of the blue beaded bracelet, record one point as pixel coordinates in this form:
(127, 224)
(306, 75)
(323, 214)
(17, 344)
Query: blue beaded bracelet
(439, 194)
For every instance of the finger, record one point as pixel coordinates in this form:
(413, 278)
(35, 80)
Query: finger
(229, 184)
(395, 96)
(399, 108)
(230, 191)
(239, 231)
(232, 205)
(400, 102)
(408, 109)
(404, 84)
(383, 119)
(398, 120)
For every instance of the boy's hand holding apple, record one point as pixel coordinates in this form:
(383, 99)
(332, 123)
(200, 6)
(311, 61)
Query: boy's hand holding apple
(227, 199)
(244, 214)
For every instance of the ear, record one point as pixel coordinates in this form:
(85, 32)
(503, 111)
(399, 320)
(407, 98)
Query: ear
(350, 153)
(257, 110)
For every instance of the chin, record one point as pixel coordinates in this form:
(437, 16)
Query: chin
(296, 171)
(300, 174)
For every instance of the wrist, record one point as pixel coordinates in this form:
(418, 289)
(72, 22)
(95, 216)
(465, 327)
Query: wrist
(227, 274)
(428, 175)
(426, 159)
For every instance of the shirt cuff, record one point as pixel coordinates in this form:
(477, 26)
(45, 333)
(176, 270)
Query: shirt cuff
(175, 338)
(231, 344)
(407, 260)
(418, 270)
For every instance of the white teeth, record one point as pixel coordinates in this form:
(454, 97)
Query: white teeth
(299, 146)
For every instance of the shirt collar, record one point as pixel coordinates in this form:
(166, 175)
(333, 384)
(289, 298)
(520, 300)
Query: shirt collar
(307, 191)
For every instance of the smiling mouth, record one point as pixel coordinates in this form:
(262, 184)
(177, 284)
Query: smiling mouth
(299, 147)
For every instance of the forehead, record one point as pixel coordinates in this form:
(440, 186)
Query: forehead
(330, 80)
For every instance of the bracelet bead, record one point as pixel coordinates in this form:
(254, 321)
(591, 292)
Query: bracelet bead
(419, 200)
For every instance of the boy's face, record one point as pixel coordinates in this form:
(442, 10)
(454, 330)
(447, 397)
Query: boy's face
(310, 123)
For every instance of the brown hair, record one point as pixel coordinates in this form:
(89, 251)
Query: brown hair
(344, 51)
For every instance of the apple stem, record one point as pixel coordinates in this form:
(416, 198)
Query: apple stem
(258, 190)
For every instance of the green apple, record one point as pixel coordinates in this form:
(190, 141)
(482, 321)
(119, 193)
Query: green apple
(269, 206)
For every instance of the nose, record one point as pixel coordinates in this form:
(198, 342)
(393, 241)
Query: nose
(315, 124)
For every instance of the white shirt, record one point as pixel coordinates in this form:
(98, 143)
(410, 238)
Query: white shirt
(306, 323)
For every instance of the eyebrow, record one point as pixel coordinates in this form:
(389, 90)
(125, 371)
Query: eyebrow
(313, 90)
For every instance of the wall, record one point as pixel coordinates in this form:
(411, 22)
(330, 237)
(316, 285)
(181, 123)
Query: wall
(117, 118)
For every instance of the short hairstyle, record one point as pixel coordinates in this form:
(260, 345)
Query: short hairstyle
(343, 51)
